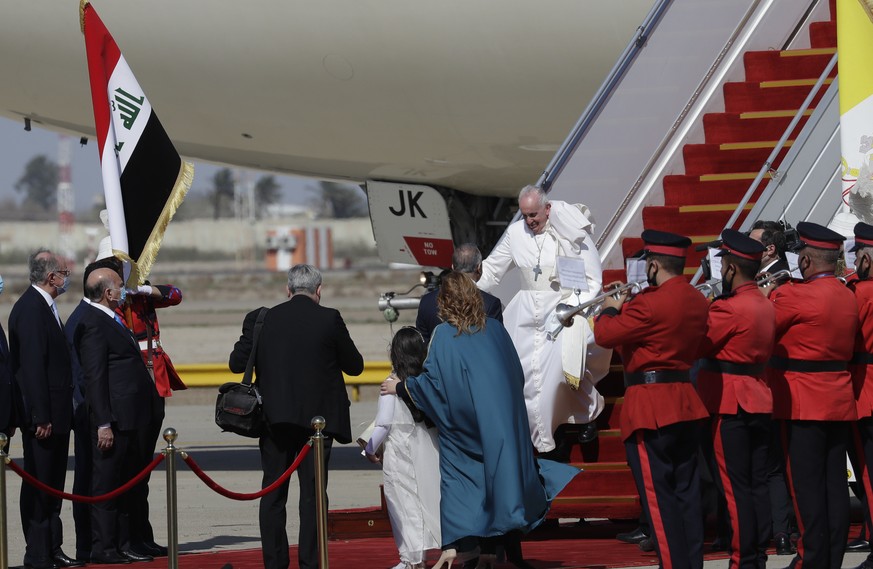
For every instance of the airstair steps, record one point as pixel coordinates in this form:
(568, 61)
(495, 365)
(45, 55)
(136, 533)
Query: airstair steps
(698, 190)
(738, 141)
(749, 96)
(753, 126)
(711, 158)
(787, 64)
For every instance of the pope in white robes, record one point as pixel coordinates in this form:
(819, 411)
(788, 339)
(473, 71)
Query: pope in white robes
(560, 372)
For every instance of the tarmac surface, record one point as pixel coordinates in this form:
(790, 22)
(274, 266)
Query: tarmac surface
(210, 522)
(202, 330)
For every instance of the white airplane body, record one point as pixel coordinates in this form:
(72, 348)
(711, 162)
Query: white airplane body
(467, 96)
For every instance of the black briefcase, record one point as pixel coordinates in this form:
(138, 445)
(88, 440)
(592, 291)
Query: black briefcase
(239, 409)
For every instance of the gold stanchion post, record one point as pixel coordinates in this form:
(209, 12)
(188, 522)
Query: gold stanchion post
(4, 544)
(318, 423)
(170, 436)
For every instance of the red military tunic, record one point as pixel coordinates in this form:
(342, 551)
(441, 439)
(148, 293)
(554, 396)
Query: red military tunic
(740, 330)
(816, 320)
(142, 313)
(659, 329)
(862, 373)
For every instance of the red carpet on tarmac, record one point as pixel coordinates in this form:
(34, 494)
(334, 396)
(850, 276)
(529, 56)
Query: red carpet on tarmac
(381, 553)
(591, 547)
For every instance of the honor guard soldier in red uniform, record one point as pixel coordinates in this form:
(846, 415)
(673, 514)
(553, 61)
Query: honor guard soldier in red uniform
(658, 333)
(816, 322)
(140, 316)
(862, 366)
(730, 381)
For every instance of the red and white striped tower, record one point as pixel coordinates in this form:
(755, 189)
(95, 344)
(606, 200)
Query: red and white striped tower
(65, 200)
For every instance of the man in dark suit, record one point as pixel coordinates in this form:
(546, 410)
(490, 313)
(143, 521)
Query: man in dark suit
(41, 364)
(466, 259)
(303, 350)
(81, 420)
(771, 234)
(120, 398)
(8, 393)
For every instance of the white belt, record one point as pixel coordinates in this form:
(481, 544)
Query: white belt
(144, 345)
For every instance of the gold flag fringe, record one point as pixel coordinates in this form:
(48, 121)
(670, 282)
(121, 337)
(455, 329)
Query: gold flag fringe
(142, 267)
(868, 8)
(82, 4)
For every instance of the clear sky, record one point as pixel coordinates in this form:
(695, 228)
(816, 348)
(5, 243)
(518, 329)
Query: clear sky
(17, 147)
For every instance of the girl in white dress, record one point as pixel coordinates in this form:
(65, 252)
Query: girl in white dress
(410, 459)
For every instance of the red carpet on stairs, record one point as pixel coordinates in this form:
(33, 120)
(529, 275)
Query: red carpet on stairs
(738, 140)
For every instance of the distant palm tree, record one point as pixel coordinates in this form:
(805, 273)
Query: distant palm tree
(340, 201)
(266, 193)
(222, 192)
(39, 182)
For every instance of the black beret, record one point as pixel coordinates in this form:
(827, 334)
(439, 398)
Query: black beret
(817, 236)
(740, 245)
(665, 243)
(863, 236)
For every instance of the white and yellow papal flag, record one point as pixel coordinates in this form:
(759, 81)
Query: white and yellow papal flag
(855, 54)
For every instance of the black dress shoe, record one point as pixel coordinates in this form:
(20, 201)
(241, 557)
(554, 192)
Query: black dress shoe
(647, 545)
(137, 557)
(63, 560)
(110, 559)
(783, 545)
(858, 545)
(588, 432)
(44, 565)
(634, 536)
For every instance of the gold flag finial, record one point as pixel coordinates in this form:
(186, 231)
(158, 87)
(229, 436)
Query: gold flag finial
(82, 4)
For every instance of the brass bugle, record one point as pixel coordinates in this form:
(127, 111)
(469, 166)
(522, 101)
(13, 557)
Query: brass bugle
(845, 278)
(708, 288)
(566, 313)
(774, 278)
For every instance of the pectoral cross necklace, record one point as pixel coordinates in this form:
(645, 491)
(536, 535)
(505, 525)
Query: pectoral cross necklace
(537, 271)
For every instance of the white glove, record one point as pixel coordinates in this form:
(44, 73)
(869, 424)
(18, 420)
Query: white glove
(141, 289)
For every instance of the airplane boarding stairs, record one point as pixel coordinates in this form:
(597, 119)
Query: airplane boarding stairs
(698, 203)
(719, 171)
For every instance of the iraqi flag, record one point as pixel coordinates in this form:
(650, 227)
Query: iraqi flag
(144, 179)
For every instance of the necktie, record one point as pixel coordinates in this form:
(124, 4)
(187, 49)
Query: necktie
(57, 316)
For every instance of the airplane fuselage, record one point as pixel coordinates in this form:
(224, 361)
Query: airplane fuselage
(470, 96)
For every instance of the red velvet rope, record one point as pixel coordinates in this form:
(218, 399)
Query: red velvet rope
(254, 495)
(86, 499)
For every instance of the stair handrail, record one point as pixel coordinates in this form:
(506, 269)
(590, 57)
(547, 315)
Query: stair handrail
(559, 160)
(767, 167)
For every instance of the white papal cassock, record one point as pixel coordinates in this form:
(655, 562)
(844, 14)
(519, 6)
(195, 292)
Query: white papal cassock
(549, 398)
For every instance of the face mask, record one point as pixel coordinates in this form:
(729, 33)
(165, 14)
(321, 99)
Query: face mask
(63, 288)
(652, 278)
(793, 264)
(122, 295)
(727, 285)
(862, 273)
(1, 284)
